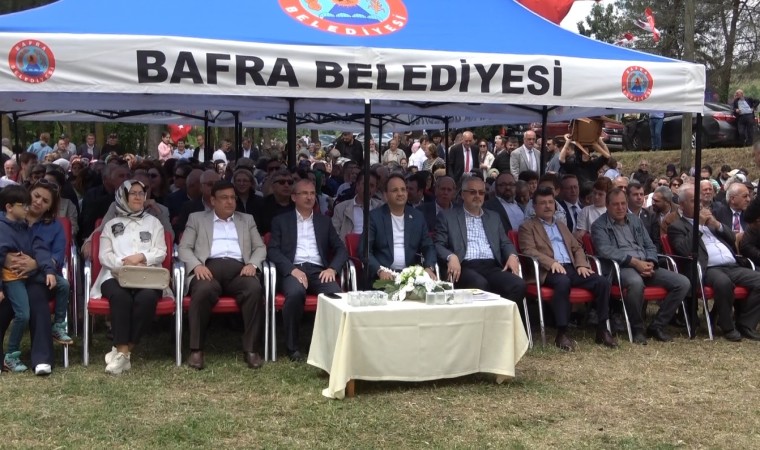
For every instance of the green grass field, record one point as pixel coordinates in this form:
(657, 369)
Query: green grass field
(686, 394)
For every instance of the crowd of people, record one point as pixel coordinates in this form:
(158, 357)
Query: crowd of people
(437, 205)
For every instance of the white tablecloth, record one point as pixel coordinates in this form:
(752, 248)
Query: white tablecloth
(412, 341)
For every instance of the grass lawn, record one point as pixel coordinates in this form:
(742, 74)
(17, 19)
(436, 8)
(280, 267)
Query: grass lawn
(688, 394)
(715, 157)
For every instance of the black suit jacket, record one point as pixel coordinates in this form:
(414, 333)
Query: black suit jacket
(501, 162)
(680, 236)
(726, 216)
(455, 161)
(495, 205)
(428, 211)
(95, 205)
(569, 215)
(189, 207)
(416, 239)
(267, 211)
(174, 202)
(284, 237)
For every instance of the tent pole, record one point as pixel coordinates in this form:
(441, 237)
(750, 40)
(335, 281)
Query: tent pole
(206, 138)
(695, 227)
(16, 137)
(544, 117)
(379, 145)
(365, 231)
(446, 137)
(238, 136)
(292, 133)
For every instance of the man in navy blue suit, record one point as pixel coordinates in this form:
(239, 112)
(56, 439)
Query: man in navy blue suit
(397, 233)
(301, 246)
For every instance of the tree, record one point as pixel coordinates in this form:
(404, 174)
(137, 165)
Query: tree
(602, 24)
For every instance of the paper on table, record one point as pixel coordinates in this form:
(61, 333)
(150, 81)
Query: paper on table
(479, 295)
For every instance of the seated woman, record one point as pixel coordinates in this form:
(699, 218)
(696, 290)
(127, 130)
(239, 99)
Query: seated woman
(41, 218)
(132, 238)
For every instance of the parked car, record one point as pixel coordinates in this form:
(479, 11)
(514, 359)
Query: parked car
(612, 132)
(327, 141)
(718, 129)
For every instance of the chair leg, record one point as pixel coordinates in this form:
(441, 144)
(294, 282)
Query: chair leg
(86, 338)
(267, 287)
(541, 318)
(707, 312)
(527, 323)
(66, 356)
(686, 318)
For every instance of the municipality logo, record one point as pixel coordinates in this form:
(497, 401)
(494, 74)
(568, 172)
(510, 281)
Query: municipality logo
(637, 83)
(349, 17)
(31, 61)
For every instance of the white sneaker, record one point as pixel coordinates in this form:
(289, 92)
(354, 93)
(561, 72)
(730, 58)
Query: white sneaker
(42, 369)
(111, 355)
(120, 363)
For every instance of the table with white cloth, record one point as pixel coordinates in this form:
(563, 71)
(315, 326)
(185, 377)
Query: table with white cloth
(413, 341)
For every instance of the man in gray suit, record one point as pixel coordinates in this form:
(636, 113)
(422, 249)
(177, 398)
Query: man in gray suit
(527, 157)
(223, 252)
(475, 247)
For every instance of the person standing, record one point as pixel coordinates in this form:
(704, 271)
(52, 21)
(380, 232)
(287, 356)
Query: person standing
(744, 110)
(656, 119)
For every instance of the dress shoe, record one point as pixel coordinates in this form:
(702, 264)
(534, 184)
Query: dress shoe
(604, 337)
(733, 335)
(639, 338)
(658, 334)
(195, 360)
(296, 356)
(749, 333)
(563, 342)
(253, 360)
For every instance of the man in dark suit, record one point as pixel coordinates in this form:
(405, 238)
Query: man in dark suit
(462, 158)
(437, 138)
(191, 189)
(98, 199)
(445, 192)
(223, 251)
(200, 150)
(300, 248)
(737, 199)
(397, 233)
(569, 200)
(504, 204)
(636, 197)
(563, 265)
(89, 149)
(717, 257)
(278, 202)
(351, 148)
(475, 247)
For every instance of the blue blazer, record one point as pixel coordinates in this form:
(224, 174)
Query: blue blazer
(283, 240)
(416, 239)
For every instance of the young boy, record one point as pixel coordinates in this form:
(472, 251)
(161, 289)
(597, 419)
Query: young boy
(15, 237)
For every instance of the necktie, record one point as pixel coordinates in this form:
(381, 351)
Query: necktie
(575, 217)
(467, 163)
(737, 225)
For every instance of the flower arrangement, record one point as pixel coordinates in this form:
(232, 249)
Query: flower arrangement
(412, 283)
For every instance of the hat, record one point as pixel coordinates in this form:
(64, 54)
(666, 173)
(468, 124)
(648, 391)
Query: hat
(63, 163)
(733, 172)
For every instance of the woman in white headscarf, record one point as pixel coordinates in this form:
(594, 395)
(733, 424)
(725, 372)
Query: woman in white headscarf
(132, 238)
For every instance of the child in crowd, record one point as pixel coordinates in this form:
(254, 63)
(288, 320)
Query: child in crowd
(15, 236)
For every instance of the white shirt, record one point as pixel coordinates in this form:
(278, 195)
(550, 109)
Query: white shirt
(358, 216)
(399, 252)
(717, 252)
(531, 157)
(588, 216)
(224, 241)
(418, 158)
(306, 241)
(219, 154)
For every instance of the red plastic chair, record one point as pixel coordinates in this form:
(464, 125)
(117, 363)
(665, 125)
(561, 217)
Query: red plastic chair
(705, 291)
(166, 306)
(544, 293)
(651, 293)
(354, 265)
(225, 305)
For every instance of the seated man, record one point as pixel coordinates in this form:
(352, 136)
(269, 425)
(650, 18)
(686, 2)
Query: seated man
(721, 271)
(445, 192)
(300, 248)
(223, 251)
(397, 233)
(562, 265)
(475, 246)
(348, 216)
(620, 236)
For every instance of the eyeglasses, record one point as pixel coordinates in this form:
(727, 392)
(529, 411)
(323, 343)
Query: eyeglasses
(675, 185)
(138, 194)
(283, 182)
(483, 146)
(662, 184)
(475, 192)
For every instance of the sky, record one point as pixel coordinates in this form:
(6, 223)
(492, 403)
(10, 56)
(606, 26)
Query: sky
(578, 13)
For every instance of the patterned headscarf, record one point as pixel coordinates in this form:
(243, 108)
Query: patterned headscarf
(122, 200)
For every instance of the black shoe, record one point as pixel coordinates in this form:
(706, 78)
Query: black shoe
(296, 356)
(605, 338)
(733, 335)
(748, 333)
(639, 338)
(658, 334)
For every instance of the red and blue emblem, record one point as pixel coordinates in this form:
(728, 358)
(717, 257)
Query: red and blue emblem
(31, 61)
(349, 17)
(637, 83)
